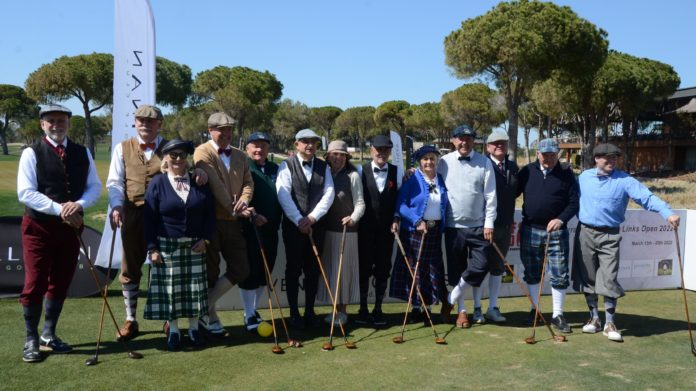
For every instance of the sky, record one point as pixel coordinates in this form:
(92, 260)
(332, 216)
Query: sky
(338, 53)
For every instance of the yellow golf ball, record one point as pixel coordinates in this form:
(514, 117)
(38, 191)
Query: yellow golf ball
(265, 329)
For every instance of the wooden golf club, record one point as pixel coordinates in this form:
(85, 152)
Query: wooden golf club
(276, 348)
(557, 338)
(531, 339)
(94, 360)
(686, 306)
(329, 345)
(295, 343)
(131, 353)
(438, 340)
(348, 344)
(400, 339)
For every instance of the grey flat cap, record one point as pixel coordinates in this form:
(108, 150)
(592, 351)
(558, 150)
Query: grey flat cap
(497, 136)
(606, 149)
(306, 133)
(53, 108)
(220, 120)
(148, 111)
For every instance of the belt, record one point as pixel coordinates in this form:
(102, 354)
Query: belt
(431, 223)
(610, 230)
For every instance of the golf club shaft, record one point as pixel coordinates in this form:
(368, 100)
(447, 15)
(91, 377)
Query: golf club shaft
(541, 283)
(326, 282)
(106, 285)
(413, 284)
(338, 282)
(686, 305)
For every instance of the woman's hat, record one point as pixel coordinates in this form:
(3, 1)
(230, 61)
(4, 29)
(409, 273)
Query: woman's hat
(424, 150)
(338, 146)
(178, 143)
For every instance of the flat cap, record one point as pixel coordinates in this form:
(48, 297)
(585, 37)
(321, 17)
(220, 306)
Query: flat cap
(148, 111)
(220, 120)
(606, 149)
(548, 145)
(178, 143)
(463, 130)
(424, 150)
(338, 146)
(382, 141)
(258, 136)
(496, 136)
(53, 108)
(306, 133)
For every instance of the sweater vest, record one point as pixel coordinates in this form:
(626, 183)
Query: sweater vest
(306, 195)
(342, 205)
(139, 171)
(379, 207)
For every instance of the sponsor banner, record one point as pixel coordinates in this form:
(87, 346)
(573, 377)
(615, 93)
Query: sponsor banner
(648, 258)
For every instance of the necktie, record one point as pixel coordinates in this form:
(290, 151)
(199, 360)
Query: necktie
(181, 183)
(501, 167)
(307, 163)
(225, 152)
(145, 146)
(467, 158)
(378, 170)
(60, 150)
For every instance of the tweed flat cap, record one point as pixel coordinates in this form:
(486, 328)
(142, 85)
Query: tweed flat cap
(52, 108)
(220, 120)
(148, 111)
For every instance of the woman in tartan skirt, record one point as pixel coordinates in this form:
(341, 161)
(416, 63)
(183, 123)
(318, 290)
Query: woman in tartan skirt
(179, 219)
(421, 206)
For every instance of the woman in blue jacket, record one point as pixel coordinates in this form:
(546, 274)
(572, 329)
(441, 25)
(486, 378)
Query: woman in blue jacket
(421, 207)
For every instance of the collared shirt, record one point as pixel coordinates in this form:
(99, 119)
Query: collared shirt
(116, 180)
(381, 177)
(225, 158)
(27, 184)
(284, 188)
(604, 198)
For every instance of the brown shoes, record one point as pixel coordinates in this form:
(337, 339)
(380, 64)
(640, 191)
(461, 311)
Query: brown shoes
(463, 320)
(128, 331)
(445, 311)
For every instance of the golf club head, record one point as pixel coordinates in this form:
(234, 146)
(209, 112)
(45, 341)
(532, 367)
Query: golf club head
(277, 350)
(327, 347)
(134, 355)
(440, 341)
(295, 343)
(693, 349)
(92, 361)
(530, 340)
(351, 345)
(398, 339)
(560, 338)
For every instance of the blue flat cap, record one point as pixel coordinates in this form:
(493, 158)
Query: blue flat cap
(463, 130)
(258, 136)
(548, 145)
(53, 108)
(306, 133)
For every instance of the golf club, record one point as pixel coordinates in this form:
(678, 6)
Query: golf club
(556, 337)
(131, 353)
(276, 348)
(349, 344)
(295, 343)
(531, 339)
(95, 359)
(438, 340)
(400, 339)
(329, 345)
(686, 306)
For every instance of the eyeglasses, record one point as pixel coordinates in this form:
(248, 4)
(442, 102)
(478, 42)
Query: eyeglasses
(178, 155)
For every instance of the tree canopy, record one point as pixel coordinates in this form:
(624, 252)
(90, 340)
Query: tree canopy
(471, 104)
(322, 119)
(357, 123)
(15, 106)
(290, 117)
(426, 120)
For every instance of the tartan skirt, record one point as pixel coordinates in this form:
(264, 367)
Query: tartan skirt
(178, 286)
(431, 269)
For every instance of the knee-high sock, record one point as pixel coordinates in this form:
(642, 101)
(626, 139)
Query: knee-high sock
(494, 283)
(477, 293)
(51, 315)
(248, 300)
(258, 295)
(457, 295)
(609, 309)
(221, 287)
(533, 293)
(130, 299)
(32, 317)
(558, 296)
(593, 304)
(173, 326)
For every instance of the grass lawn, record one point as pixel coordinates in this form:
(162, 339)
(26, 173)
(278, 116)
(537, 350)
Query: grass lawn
(655, 355)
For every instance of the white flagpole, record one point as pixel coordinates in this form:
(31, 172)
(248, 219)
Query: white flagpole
(134, 84)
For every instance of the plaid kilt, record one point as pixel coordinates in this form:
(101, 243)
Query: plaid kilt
(532, 243)
(178, 287)
(431, 270)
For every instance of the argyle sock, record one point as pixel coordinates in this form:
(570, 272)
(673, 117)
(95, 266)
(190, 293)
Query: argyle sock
(222, 285)
(609, 309)
(494, 283)
(558, 296)
(593, 304)
(248, 299)
(457, 295)
(32, 316)
(130, 299)
(51, 315)
(533, 290)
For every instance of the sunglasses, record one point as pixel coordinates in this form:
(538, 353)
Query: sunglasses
(178, 155)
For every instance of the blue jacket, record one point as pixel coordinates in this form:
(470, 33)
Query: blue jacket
(412, 200)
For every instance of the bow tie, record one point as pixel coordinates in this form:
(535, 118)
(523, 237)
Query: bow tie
(145, 146)
(307, 163)
(378, 170)
(467, 158)
(225, 152)
(181, 182)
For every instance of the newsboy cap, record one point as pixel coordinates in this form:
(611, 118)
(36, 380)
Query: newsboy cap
(463, 130)
(258, 136)
(548, 145)
(53, 108)
(220, 120)
(496, 136)
(306, 133)
(606, 149)
(148, 111)
(382, 141)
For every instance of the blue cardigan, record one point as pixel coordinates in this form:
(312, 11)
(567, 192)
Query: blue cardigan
(413, 197)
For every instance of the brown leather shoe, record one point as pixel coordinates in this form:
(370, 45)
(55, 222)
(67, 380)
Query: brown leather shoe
(463, 320)
(128, 331)
(445, 311)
